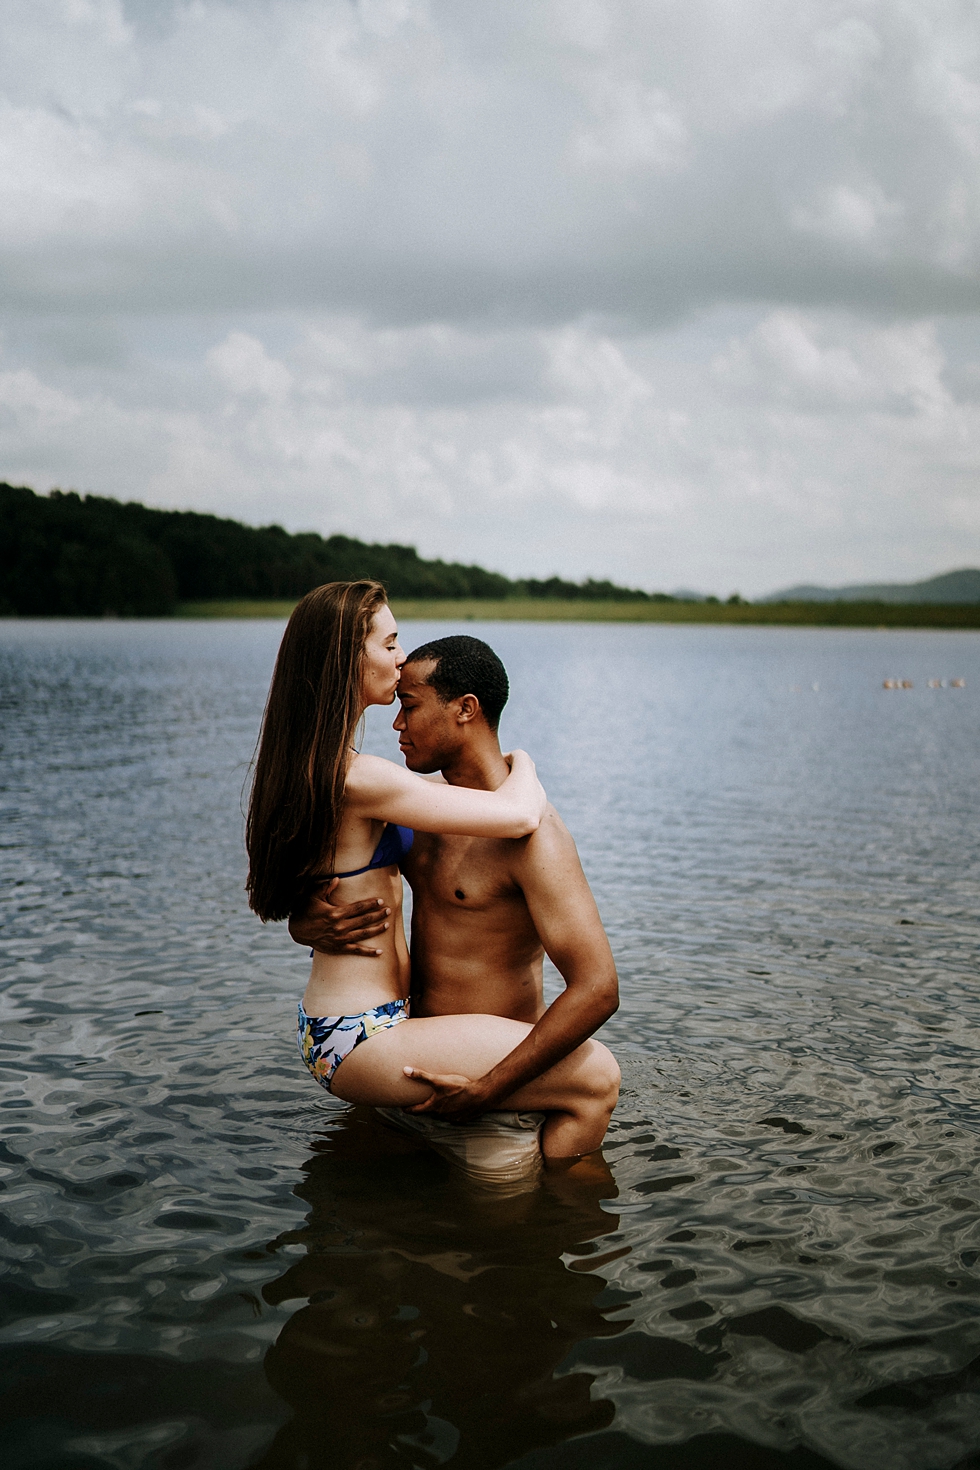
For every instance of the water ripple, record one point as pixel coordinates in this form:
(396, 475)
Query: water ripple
(205, 1262)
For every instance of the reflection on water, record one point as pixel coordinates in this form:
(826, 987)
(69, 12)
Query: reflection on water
(435, 1316)
(206, 1262)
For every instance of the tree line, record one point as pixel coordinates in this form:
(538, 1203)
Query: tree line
(68, 555)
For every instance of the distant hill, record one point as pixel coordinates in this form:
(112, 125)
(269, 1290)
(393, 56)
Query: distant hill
(950, 587)
(67, 555)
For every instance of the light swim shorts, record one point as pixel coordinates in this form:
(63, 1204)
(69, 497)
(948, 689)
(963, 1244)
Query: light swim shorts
(499, 1149)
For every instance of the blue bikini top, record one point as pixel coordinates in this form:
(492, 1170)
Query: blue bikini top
(392, 846)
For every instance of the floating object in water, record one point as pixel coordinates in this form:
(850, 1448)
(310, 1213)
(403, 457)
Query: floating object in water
(815, 688)
(933, 684)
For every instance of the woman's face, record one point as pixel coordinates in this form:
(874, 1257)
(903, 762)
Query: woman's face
(383, 658)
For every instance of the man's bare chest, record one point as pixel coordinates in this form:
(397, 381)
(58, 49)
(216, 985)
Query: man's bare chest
(463, 872)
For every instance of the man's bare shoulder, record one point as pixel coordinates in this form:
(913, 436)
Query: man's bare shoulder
(553, 827)
(551, 842)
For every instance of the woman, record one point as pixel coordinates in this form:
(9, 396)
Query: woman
(320, 810)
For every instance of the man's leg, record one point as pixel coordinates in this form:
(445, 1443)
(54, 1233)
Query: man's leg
(579, 1093)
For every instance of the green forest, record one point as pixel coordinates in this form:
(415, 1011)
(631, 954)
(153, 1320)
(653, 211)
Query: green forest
(68, 555)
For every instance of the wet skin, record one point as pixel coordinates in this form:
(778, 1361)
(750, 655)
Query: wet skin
(377, 791)
(474, 944)
(485, 910)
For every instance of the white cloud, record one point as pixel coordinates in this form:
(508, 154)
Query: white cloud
(829, 364)
(726, 452)
(246, 369)
(846, 214)
(435, 160)
(56, 176)
(653, 290)
(32, 408)
(635, 126)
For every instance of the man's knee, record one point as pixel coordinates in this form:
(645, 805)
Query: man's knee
(603, 1074)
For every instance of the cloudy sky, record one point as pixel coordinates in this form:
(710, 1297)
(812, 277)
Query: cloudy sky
(681, 292)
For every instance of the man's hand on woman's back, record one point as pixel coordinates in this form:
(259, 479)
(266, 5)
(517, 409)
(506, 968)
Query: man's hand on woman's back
(339, 928)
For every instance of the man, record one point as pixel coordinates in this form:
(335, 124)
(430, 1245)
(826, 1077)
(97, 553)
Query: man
(485, 910)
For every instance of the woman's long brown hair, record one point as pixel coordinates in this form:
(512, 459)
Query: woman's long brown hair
(308, 728)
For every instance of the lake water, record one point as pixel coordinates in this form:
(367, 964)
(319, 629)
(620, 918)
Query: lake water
(207, 1262)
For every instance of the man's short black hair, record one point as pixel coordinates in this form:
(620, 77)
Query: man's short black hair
(466, 665)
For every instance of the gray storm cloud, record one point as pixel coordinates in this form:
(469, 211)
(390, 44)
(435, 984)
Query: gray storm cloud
(669, 292)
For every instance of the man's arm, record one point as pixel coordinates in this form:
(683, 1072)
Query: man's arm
(339, 928)
(564, 913)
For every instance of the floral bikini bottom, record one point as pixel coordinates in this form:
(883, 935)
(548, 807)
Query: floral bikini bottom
(324, 1041)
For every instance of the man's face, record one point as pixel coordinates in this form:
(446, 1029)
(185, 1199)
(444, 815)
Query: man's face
(428, 734)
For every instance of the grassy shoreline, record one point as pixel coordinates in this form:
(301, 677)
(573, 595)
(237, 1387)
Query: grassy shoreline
(799, 614)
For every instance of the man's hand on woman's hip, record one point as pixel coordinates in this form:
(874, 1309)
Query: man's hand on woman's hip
(458, 1099)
